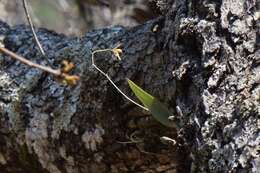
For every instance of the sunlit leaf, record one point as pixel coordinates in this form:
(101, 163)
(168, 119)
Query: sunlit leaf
(157, 109)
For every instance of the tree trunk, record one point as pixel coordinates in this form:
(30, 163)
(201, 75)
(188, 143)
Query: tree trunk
(200, 56)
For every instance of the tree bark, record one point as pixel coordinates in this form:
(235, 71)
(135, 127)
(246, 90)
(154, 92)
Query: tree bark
(201, 56)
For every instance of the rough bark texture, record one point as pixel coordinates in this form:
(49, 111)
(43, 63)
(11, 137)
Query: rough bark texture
(202, 56)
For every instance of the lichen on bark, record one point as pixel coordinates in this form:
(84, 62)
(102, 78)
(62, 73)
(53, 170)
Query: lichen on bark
(202, 56)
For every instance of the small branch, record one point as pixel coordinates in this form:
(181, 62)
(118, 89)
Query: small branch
(25, 6)
(29, 63)
(70, 79)
(110, 80)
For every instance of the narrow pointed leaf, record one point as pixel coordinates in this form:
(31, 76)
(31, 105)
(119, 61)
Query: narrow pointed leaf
(157, 109)
(143, 96)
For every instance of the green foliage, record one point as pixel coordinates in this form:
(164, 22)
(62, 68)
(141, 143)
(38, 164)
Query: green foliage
(157, 109)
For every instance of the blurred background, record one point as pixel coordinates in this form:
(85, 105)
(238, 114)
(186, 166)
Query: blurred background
(75, 17)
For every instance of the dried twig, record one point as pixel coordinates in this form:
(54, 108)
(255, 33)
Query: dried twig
(61, 74)
(25, 6)
(116, 52)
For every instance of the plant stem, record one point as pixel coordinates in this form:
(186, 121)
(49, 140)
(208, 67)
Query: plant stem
(110, 80)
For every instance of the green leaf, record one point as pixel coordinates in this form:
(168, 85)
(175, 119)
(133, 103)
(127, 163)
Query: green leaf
(157, 109)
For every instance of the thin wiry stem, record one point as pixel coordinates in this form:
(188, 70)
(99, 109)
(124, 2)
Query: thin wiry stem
(110, 80)
(25, 6)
